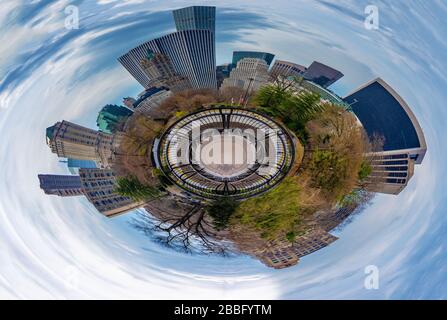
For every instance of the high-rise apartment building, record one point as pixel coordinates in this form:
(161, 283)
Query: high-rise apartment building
(195, 18)
(250, 74)
(61, 185)
(111, 117)
(278, 255)
(386, 116)
(69, 140)
(322, 74)
(283, 254)
(286, 69)
(191, 52)
(312, 241)
(99, 187)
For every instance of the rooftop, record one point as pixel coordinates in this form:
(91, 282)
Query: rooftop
(383, 112)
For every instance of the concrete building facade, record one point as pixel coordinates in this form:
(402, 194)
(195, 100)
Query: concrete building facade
(160, 70)
(286, 69)
(250, 74)
(69, 140)
(283, 254)
(191, 52)
(239, 55)
(129, 101)
(61, 185)
(151, 98)
(387, 117)
(98, 186)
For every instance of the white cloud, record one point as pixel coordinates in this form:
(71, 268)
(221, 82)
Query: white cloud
(54, 247)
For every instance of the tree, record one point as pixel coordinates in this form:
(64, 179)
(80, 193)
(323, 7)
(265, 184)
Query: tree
(328, 170)
(364, 171)
(131, 187)
(293, 108)
(189, 230)
(231, 95)
(187, 101)
(221, 210)
(337, 148)
(270, 97)
(299, 109)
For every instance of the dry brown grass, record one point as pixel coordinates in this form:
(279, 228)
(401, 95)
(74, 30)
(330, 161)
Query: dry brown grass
(134, 153)
(337, 131)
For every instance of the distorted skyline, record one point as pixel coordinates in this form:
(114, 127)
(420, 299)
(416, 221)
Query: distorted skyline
(62, 248)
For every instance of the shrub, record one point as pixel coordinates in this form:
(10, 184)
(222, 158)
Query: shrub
(221, 210)
(131, 187)
(294, 110)
(365, 171)
(328, 169)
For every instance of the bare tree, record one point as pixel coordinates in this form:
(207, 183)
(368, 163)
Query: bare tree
(232, 95)
(190, 230)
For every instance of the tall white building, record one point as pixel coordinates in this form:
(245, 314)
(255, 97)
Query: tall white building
(250, 74)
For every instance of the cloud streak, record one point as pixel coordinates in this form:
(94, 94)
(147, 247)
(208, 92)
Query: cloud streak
(56, 248)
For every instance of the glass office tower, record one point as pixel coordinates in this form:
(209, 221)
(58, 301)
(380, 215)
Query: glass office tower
(195, 18)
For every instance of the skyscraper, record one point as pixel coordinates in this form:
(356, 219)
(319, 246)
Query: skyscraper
(158, 67)
(191, 52)
(111, 117)
(222, 72)
(195, 18)
(250, 74)
(61, 185)
(385, 115)
(69, 140)
(99, 187)
(239, 55)
(286, 69)
(322, 74)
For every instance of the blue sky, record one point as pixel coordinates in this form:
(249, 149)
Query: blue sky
(61, 248)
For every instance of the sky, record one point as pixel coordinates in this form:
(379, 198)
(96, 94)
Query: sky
(61, 248)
